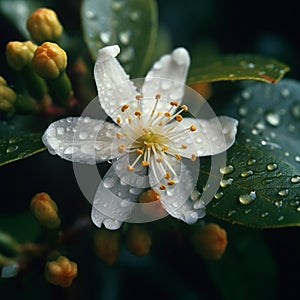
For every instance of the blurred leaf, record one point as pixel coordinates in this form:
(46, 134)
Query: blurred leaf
(247, 270)
(132, 24)
(261, 184)
(14, 148)
(18, 11)
(238, 67)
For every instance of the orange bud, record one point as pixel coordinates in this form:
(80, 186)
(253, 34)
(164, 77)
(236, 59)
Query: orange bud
(107, 245)
(49, 60)
(138, 240)
(210, 241)
(45, 210)
(61, 271)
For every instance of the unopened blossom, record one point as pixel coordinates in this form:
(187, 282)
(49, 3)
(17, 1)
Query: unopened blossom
(147, 138)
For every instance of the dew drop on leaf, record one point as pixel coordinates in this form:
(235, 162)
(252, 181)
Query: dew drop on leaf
(251, 162)
(218, 195)
(272, 167)
(12, 148)
(226, 170)
(264, 214)
(295, 179)
(226, 182)
(296, 110)
(283, 193)
(246, 173)
(246, 199)
(273, 118)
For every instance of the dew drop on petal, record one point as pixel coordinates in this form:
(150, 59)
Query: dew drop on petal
(109, 182)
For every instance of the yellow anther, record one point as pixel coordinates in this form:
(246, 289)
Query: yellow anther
(129, 120)
(118, 120)
(174, 103)
(162, 187)
(124, 107)
(138, 97)
(167, 176)
(157, 96)
(130, 168)
(145, 163)
(171, 182)
(164, 148)
(121, 148)
(138, 113)
(184, 107)
(119, 135)
(139, 151)
(167, 114)
(193, 128)
(159, 159)
(193, 157)
(179, 118)
(184, 146)
(178, 157)
(159, 114)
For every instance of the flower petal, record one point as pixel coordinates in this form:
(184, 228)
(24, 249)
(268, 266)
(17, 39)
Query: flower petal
(212, 136)
(114, 200)
(167, 78)
(82, 140)
(113, 84)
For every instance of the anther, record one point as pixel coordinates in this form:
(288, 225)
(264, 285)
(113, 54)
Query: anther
(167, 176)
(179, 118)
(184, 107)
(139, 151)
(167, 114)
(124, 107)
(162, 187)
(118, 120)
(193, 128)
(138, 97)
(138, 113)
(193, 157)
(119, 135)
(121, 148)
(157, 96)
(184, 146)
(171, 182)
(177, 156)
(145, 163)
(159, 159)
(164, 148)
(174, 103)
(130, 168)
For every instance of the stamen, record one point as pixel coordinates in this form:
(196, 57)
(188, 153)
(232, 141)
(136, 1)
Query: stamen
(159, 159)
(138, 113)
(145, 163)
(164, 148)
(179, 118)
(124, 107)
(167, 114)
(157, 96)
(193, 128)
(130, 168)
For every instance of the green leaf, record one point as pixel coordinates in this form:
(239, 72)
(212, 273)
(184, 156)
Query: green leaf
(132, 24)
(18, 11)
(261, 184)
(238, 67)
(14, 148)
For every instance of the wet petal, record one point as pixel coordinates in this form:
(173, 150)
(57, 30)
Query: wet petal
(82, 140)
(167, 78)
(113, 84)
(212, 136)
(114, 200)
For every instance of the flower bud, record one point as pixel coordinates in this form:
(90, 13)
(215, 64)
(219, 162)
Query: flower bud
(138, 240)
(61, 271)
(45, 210)
(19, 54)
(210, 241)
(107, 245)
(49, 60)
(151, 204)
(7, 97)
(43, 25)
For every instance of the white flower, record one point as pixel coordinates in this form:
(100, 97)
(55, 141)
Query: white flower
(150, 142)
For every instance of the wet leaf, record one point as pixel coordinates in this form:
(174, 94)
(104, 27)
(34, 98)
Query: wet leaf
(261, 184)
(132, 24)
(238, 67)
(14, 148)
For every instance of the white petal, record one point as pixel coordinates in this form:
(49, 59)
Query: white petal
(114, 201)
(113, 84)
(167, 77)
(212, 136)
(82, 140)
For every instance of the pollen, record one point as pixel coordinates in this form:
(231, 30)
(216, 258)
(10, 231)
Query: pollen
(193, 128)
(179, 118)
(145, 163)
(124, 107)
(130, 168)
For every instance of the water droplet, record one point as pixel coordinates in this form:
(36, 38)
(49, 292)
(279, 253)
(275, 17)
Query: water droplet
(251, 161)
(12, 140)
(283, 193)
(285, 92)
(264, 214)
(12, 148)
(70, 150)
(199, 204)
(134, 191)
(246, 199)
(243, 110)
(105, 37)
(218, 195)
(125, 203)
(134, 16)
(195, 195)
(280, 218)
(108, 182)
(297, 158)
(206, 187)
(83, 135)
(273, 118)
(231, 212)
(116, 5)
(226, 170)
(125, 36)
(296, 110)
(226, 182)
(247, 211)
(246, 173)
(267, 181)
(294, 203)
(60, 130)
(251, 65)
(246, 95)
(278, 204)
(90, 14)
(272, 167)
(295, 179)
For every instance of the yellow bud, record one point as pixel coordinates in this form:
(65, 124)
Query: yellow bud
(45, 210)
(138, 240)
(7, 97)
(19, 54)
(107, 244)
(43, 25)
(49, 60)
(210, 241)
(61, 271)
